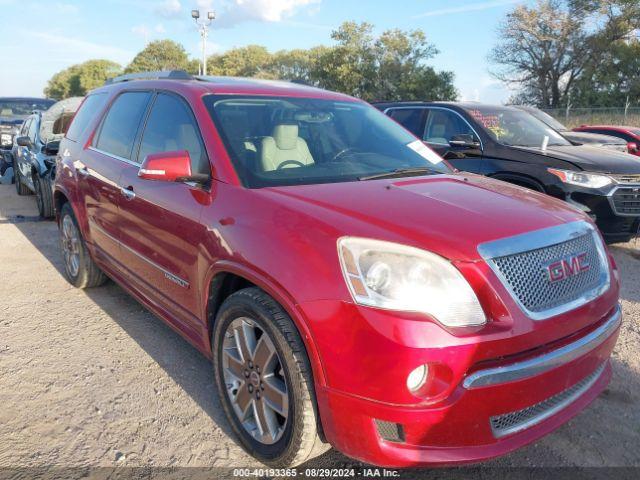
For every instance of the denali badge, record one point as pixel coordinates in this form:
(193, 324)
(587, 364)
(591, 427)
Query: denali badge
(568, 267)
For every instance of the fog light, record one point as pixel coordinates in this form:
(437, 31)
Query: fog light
(417, 377)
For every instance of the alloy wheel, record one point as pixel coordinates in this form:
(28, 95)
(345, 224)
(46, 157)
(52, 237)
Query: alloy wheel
(71, 245)
(255, 381)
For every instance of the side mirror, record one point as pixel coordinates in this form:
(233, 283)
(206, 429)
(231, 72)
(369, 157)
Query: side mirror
(632, 147)
(23, 141)
(464, 141)
(169, 167)
(51, 148)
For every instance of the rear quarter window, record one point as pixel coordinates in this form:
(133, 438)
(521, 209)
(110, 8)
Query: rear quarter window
(89, 108)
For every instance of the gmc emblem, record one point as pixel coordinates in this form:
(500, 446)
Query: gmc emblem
(568, 267)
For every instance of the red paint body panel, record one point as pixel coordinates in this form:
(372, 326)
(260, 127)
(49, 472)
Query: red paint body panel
(627, 133)
(166, 244)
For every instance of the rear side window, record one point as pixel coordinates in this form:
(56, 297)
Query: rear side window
(90, 107)
(409, 118)
(171, 127)
(120, 125)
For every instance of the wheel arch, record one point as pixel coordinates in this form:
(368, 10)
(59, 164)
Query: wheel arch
(226, 277)
(520, 179)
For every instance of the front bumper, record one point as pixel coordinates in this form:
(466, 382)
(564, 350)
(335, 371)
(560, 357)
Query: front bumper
(476, 382)
(606, 209)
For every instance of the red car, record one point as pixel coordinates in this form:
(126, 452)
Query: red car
(350, 288)
(630, 134)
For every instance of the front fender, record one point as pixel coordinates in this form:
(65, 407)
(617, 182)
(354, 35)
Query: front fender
(272, 287)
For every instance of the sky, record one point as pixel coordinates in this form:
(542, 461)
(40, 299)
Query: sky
(41, 37)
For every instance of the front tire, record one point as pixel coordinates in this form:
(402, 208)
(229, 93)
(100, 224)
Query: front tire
(44, 196)
(264, 380)
(21, 188)
(81, 271)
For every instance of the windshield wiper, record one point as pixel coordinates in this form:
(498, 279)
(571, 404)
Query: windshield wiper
(401, 172)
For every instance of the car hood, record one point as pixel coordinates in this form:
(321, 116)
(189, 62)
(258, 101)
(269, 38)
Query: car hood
(587, 138)
(447, 214)
(592, 159)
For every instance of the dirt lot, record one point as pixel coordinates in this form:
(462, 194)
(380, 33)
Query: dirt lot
(90, 378)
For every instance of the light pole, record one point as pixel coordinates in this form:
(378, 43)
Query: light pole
(203, 28)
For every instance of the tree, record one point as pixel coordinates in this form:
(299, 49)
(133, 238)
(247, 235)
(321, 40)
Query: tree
(563, 48)
(542, 49)
(389, 67)
(161, 55)
(249, 61)
(77, 80)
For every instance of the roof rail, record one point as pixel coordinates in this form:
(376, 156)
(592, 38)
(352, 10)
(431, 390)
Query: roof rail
(161, 75)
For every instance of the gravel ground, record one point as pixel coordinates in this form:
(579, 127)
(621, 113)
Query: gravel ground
(91, 378)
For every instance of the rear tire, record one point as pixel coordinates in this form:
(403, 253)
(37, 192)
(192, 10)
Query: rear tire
(291, 421)
(44, 196)
(21, 188)
(81, 271)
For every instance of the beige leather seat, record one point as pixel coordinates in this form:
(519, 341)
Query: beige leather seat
(437, 134)
(284, 146)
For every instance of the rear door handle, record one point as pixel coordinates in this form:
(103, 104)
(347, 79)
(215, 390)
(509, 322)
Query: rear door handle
(128, 193)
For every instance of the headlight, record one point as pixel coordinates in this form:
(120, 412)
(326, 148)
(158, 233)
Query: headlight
(397, 277)
(588, 180)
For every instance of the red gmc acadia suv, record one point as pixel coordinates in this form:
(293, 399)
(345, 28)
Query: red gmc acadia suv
(350, 288)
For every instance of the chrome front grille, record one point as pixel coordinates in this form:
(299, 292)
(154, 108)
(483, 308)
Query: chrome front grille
(627, 178)
(513, 422)
(525, 266)
(626, 200)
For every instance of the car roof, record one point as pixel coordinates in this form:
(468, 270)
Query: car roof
(610, 127)
(230, 85)
(466, 105)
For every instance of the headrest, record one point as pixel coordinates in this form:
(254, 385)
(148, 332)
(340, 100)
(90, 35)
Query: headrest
(286, 136)
(438, 130)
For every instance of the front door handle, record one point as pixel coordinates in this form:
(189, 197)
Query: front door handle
(128, 193)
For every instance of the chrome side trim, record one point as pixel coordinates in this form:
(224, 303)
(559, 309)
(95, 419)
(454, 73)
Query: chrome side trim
(547, 237)
(115, 157)
(168, 275)
(546, 362)
(547, 408)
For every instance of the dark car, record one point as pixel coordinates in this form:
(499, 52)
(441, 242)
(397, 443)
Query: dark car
(509, 144)
(578, 138)
(35, 149)
(13, 111)
(349, 287)
(631, 135)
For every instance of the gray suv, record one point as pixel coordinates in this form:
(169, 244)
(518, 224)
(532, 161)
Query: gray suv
(35, 150)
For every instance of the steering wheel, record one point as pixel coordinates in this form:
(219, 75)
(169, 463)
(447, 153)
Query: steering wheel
(290, 162)
(342, 153)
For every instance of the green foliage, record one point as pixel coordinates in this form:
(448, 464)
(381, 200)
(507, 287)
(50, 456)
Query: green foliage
(391, 66)
(388, 67)
(161, 55)
(77, 80)
(570, 51)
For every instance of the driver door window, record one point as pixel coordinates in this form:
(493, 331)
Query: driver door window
(443, 125)
(172, 127)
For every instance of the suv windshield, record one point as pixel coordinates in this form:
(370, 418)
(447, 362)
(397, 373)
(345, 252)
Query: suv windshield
(276, 141)
(515, 127)
(548, 119)
(23, 107)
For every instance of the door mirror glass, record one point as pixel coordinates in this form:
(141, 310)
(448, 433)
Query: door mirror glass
(23, 141)
(169, 167)
(464, 141)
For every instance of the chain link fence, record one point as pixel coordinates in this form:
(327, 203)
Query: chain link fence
(574, 117)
